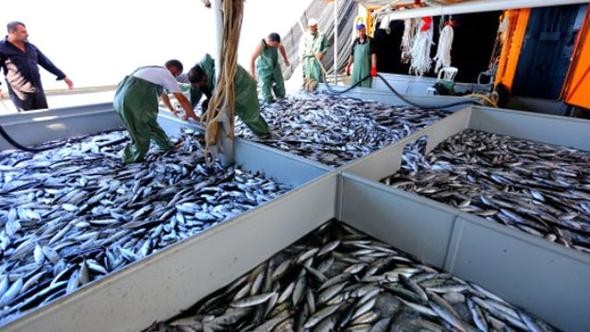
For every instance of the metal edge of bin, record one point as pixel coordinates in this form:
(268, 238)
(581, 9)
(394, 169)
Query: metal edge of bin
(544, 128)
(487, 119)
(58, 124)
(162, 285)
(387, 161)
(279, 165)
(282, 166)
(416, 85)
(526, 270)
(406, 84)
(546, 279)
(62, 111)
(388, 98)
(417, 225)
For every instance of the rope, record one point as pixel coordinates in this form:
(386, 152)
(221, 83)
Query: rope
(221, 108)
(443, 51)
(407, 39)
(421, 62)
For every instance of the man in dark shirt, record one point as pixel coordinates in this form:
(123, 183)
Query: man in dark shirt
(364, 58)
(20, 61)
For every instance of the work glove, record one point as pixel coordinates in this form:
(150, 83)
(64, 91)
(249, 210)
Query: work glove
(374, 71)
(348, 70)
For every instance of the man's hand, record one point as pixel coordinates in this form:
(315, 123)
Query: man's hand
(69, 83)
(193, 115)
(348, 70)
(320, 56)
(2, 96)
(287, 63)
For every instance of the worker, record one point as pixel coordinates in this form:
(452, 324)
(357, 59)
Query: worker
(136, 101)
(264, 66)
(313, 49)
(364, 58)
(175, 67)
(247, 106)
(20, 61)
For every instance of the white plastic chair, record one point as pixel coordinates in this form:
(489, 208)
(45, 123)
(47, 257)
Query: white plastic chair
(448, 72)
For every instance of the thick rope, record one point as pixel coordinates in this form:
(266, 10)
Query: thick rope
(221, 108)
(408, 37)
(420, 53)
(443, 51)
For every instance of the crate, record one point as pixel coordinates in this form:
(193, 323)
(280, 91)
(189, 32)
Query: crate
(547, 279)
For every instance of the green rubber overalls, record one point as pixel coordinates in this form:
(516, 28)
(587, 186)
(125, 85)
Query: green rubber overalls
(312, 44)
(136, 102)
(269, 73)
(362, 63)
(247, 105)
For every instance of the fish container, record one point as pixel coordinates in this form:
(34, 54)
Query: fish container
(217, 252)
(335, 130)
(36, 127)
(421, 86)
(547, 279)
(162, 285)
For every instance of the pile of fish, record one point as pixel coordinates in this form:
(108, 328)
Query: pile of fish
(336, 130)
(338, 279)
(74, 214)
(538, 188)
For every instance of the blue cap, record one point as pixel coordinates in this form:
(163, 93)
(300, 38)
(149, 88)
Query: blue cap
(360, 26)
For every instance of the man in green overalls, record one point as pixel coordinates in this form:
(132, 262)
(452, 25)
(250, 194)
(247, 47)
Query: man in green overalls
(364, 58)
(136, 101)
(265, 67)
(247, 105)
(313, 49)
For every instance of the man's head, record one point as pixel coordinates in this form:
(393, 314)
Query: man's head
(17, 32)
(312, 24)
(197, 77)
(361, 30)
(174, 67)
(273, 40)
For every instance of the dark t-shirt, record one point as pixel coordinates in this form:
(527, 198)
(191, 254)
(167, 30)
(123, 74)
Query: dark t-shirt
(367, 39)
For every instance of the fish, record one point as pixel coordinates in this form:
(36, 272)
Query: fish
(335, 130)
(74, 214)
(346, 302)
(537, 188)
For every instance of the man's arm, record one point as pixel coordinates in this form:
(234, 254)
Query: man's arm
(323, 48)
(255, 56)
(284, 54)
(44, 62)
(188, 108)
(166, 101)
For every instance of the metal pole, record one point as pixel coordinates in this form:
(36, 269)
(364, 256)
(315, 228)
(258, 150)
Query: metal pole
(335, 41)
(226, 148)
(218, 14)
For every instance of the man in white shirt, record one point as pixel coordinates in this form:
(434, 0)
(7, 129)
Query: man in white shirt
(136, 101)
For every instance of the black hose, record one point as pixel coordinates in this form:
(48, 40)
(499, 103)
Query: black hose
(25, 148)
(399, 95)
